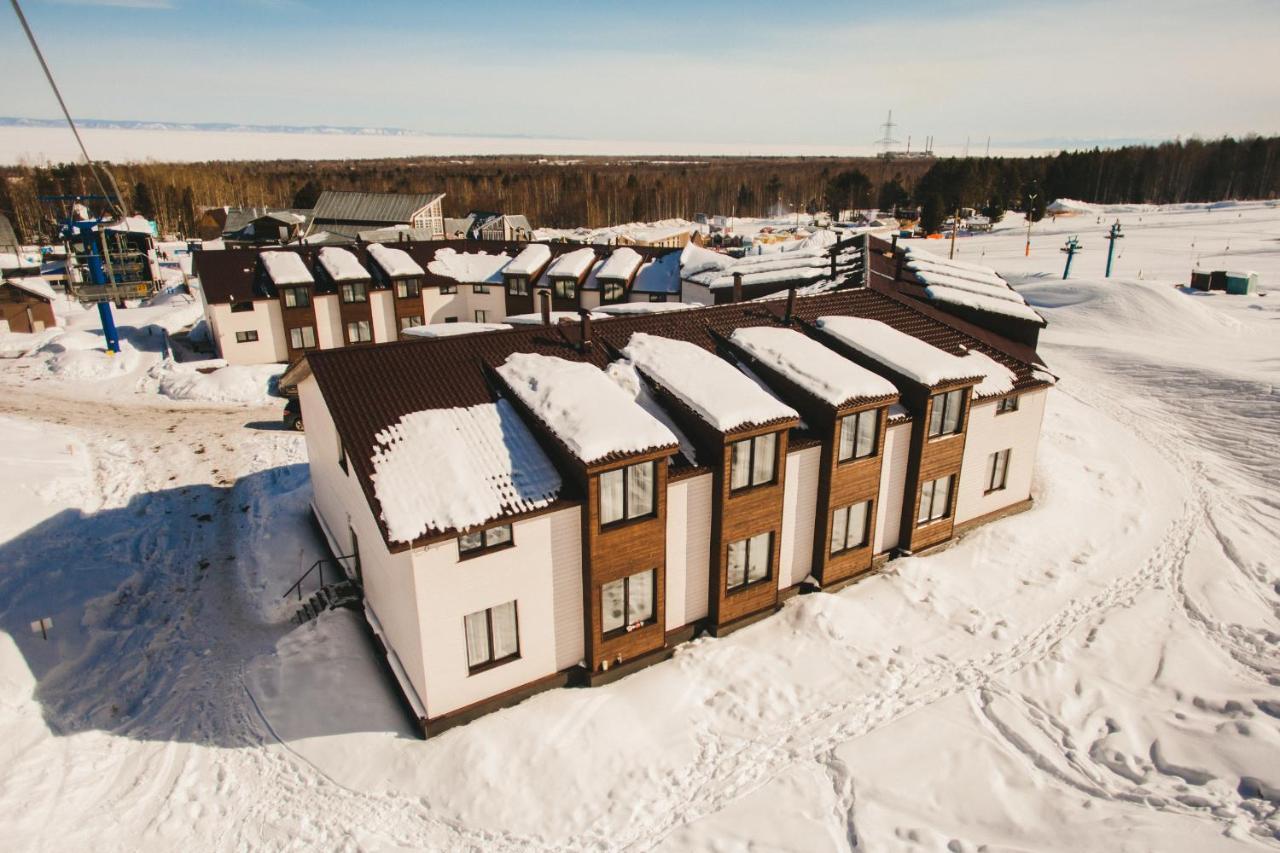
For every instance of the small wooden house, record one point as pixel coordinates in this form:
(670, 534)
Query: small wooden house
(26, 305)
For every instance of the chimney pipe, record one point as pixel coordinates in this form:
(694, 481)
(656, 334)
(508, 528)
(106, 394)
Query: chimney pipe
(791, 305)
(737, 287)
(545, 299)
(586, 328)
(835, 250)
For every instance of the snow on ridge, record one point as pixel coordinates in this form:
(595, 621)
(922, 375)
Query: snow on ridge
(469, 267)
(448, 330)
(285, 268)
(532, 258)
(394, 262)
(622, 264)
(571, 264)
(1000, 292)
(708, 384)
(908, 355)
(922, 267)
(981, 302)
(628, 379)
(450, 469)
(998, 378)
(811, 365)
(589, 412)
(341, 264)
(915, 253)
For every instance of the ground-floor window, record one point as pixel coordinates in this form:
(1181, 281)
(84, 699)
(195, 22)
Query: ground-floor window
(359, 332)
(493, 636)
(628, 603)
(657, 297)
(997, 470)
(410, 322)
(246, 337)
(935, 500)
(481, 316)
(303, 337)
(849, 527)
(749, 560)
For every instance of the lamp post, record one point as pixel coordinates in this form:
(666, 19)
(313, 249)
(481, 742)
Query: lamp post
(1111, 247)
(1031, 209)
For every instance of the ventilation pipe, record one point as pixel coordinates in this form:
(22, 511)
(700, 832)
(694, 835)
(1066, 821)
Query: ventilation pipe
(545, 298)
(586, 328)
(791, 305)
(737, 287)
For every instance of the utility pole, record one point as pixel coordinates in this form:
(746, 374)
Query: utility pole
(1073, 246)
(955, 223)
(1031, 209)
(1111, 244)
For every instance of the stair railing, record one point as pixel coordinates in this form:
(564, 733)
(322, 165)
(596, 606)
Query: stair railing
(317, 566)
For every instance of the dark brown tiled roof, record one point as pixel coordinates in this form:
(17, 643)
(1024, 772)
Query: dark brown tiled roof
(370, 388)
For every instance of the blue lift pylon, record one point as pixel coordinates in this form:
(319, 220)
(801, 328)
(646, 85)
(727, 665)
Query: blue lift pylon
(1073, 246)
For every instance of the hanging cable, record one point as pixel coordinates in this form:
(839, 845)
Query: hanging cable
(117, 203)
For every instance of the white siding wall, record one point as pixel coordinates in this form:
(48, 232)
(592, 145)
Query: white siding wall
(448, 589)
(382, 306)
(566, 571)
(388, 578)
(988, 432)
(264, 319)
(677, 556)
(328, 321)
(799, 510)
(893, 479)
(493, 303)
(697, 547)
(439, 307)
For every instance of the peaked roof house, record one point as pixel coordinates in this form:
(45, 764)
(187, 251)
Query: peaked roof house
(348, 213)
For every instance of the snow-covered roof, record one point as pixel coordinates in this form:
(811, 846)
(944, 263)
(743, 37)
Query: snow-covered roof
(621, 264)
(341, 265)
(809, 364)
(530, 261)
(469, 267)
(910, 356)
(709, 385)
(661, 275)
(33, 284)
(793, 260)
(394, 262)
(968, 285)
(981, 302)
(998, 379)
(286, 268)
(450, 469)
(621, 308)
(628, 379)
(572, 264)
(583, 407)
(448, 330)
(535, 319)
(133, 225)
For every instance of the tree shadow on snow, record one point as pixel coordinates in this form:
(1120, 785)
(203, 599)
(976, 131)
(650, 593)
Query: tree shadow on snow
(159, 608)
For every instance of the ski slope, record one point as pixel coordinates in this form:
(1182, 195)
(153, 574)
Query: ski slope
(1097, 673)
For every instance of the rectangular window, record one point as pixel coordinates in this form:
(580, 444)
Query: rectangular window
(241, 307)
(947, 413)
(488, 539)
(408, 288)
(446, 289)
(481, 316)
(657, 297)
(246, 337)
(935, 500)
(355, 292)
(1007, 404)
(303, 337)
(518, 285)
(753, 462)
(749, 561)
(295, 297)
(628, 604)
(997, 470)
(565, 288)
(614, 291)
(410, 322)
(858, 435)
(849, 527)
(493, 636)
(359, 332)
(479, 288)
(627, 493)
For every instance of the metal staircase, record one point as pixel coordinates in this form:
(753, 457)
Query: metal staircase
(342, 591)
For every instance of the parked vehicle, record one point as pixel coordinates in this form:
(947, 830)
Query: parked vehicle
(293, 414)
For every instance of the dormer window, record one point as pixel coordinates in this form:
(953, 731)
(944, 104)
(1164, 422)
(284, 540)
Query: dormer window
(614, 291)
(518, 285)
(355, 292)
(295, 297)
(858, 434)
(753, 461)
(627, 493)
(408, 288)
(947, 413)
(565, 288)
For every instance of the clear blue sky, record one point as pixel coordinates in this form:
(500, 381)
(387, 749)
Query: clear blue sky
(715, 71)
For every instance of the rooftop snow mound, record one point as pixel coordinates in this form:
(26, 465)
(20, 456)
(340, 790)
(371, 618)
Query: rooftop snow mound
(715, 389)
(622, 264)
(341, 265)
(622, 308)
(982, 302)
(394, 262)
(968, 285)
(450, 469)
(809, 364)
(535, 319)
(998, 378)
(530, 261)
(583, 407)
(469, 267)
(286, 268)
(33, 284)
(898, 351)
(802, 260)
(448, 330)
(572, 264)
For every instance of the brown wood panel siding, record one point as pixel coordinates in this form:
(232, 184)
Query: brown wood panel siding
(409, 306)
(526, 304)
(931, 459)
(738, 516)
(843, 484)
(349, 312)
(20, 309)
(293, 318)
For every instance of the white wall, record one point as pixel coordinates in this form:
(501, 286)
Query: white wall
(493, 303)
(566, 572)
(590, 299)
(989, 432)
(893, 479)
(265, 319)
(328, 321)
(799, 511)
(439, 307)
(697, 546)
(448, 589)
(382, 307)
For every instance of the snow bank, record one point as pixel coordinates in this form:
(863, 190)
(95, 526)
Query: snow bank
(530, 261)
(709, 385)
(814, 367)
(448, 330)
(910, 356)
(394, 262)
(248, 384)
(284, 268)
(342, 265)
(450, 469)
(469, 267)
(582, 407)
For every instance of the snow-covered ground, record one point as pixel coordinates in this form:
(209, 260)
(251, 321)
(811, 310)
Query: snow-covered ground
(1099, 673)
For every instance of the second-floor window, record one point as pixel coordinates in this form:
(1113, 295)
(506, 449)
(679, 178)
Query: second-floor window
(1007, 404)
(479, 288)
(408, 288)
(627, 493)
(489, 539)
(849, 527)
(246, 337)
(997, 470)
(358, 332)
(518, 285)
(947, 413)
(614, 291)
(447, 289)
(493, 636)
(858, 434)
(753, 461)
(628, 603)
(302, 337)
(749, 561)
(565, 288)
(295, 297)
(239, 307)
(935, 500)
(355, 292)
(410, 322)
